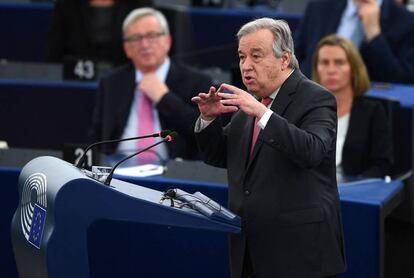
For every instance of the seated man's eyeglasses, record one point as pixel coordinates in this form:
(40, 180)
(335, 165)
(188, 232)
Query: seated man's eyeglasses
(150, 37)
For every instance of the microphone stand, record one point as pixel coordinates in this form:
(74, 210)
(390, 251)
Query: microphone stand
(168, 138)
(81, 161)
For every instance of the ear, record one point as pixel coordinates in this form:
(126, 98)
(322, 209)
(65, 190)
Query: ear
(286, 57)
(127, 49)
(168, 43)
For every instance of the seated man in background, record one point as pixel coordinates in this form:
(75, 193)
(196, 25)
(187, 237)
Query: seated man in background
(149, 94)
(89, 29)
(364, 138)
(382, 31)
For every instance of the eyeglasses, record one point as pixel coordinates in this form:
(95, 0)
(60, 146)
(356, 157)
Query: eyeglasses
(150, 37)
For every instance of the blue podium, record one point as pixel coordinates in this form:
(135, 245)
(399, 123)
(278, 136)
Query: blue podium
(60, 208)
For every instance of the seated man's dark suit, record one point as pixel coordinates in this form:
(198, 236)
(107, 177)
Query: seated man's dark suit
(367, 149)
(175, 109)
(286, 193)
(389, 57)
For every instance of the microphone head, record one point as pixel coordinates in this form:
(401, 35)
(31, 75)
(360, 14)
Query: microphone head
(164, 133)
(171, 136)
(170, 193)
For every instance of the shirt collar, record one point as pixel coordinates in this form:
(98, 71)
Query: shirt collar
(161, 72)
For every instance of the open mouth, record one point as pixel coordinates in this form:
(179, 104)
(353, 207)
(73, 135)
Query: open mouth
(248, 79)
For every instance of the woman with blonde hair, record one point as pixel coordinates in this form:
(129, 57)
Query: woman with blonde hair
(364, 139)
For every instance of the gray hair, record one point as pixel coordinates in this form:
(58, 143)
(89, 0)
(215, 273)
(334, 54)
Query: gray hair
(137, 14)
(282, 36)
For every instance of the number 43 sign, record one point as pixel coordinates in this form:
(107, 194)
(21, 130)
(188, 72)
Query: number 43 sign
(85, 69)
(79, 69)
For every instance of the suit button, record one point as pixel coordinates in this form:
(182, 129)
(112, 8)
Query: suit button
(246, 192)
(271, 140)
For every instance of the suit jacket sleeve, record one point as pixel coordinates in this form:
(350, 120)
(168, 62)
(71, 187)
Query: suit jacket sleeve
(176, 108)
(387, 64)
(380, 158)
(180, 113)
(212, 143)
(368, 147)
(390, 56)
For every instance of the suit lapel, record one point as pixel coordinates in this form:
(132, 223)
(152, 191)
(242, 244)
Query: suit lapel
(279, 105)
(354, 126)
(172, 76)
(248, 124)
(130, 84)
(127, 86)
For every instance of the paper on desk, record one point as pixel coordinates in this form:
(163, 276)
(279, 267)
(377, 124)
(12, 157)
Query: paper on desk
(140, 171)
(3, 145)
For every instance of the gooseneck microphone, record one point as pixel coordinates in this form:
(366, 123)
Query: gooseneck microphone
(170, 137)
(81, 161)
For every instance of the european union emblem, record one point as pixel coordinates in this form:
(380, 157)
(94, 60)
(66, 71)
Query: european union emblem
(38, 224)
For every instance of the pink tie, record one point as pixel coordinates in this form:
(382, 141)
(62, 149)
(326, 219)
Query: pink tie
(145, 126)
(256, 129)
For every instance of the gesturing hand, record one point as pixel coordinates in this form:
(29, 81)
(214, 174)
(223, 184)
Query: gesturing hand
(242, 99)
(210, 105)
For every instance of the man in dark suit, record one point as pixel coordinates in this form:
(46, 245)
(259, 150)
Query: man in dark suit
(153, 78)
(284, 185)
(386, 35)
